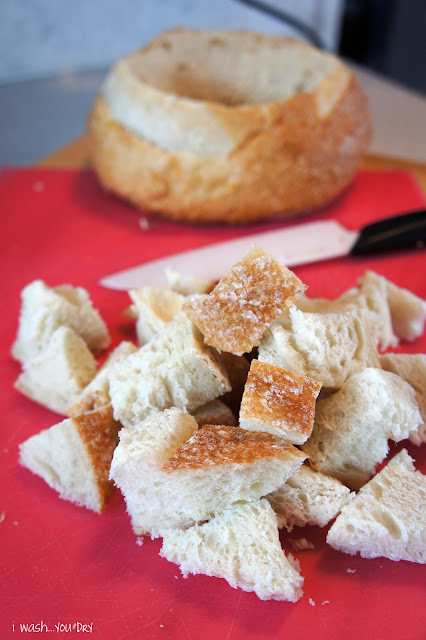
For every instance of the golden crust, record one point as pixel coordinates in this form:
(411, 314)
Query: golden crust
(280, 399)
(89, 402)
(99, 433)
(234, 316)
(288, 156)
(214, 445)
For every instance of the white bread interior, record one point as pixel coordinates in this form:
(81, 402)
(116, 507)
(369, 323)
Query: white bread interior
(308, 497)
(149, 85)
(154, 307)
(353, 426)
(328, 347)
(408, 312)
(240, 545)
(56, 375)
(374, 290)
(228, 126)
(96, 394)
(387, 517)
(412, 368)
(44, 309)
(395, 313)
(74, 457)
(370, 296)
(174, 369)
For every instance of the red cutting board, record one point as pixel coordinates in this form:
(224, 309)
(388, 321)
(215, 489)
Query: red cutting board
(63, 565)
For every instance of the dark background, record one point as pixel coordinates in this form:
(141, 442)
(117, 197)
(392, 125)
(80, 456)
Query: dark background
(387, 36)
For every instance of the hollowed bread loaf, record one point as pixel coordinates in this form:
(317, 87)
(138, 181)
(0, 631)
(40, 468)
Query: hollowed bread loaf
(209, 126)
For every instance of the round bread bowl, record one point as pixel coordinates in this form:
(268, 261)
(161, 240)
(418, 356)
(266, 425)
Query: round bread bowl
(214, 126)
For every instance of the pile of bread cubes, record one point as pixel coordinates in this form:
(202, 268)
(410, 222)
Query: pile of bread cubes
(245, 408)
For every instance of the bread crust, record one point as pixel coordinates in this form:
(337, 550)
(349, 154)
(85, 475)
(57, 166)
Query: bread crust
(234, 316)
(279, 401)
(221, 445)
(283, 157)
(99, 433)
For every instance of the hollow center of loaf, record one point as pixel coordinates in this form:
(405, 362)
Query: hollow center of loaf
(242, 69)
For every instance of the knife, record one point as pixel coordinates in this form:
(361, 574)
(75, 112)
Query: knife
(299, 244)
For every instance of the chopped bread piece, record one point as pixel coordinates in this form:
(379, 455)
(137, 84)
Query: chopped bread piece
(174, 369)
(175, 485)
(394, 312)
(74, 457)
(374, 289)
(234, 316)
(56, 376)
(154, 308)
(371, 297)
(412, 368)
(45, 309)
(328, 347)
(187, 285)
(237, 368)
(96, 394)
(240, 545)
(136, 465)
(408, 312)
(279, 402)
(308, 497)
(214, 412)
(353, 426)
(387, 517)
(152, 442)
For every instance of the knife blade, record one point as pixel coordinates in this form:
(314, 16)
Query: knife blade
(299, 244)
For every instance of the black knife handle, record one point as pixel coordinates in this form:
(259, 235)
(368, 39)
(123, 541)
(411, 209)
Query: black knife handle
(397, 232)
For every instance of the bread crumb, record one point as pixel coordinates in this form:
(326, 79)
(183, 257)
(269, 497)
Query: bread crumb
(350, 570)
(312, 602)
(139, 541)
(325, 602)
(144, 223)
(301, 544)
(38, 186)
(2, 516)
